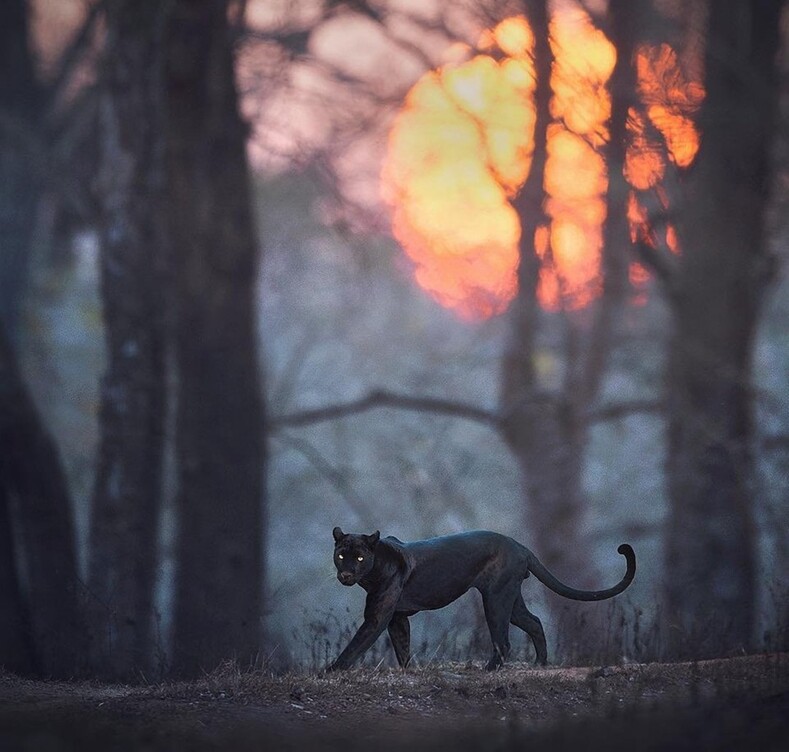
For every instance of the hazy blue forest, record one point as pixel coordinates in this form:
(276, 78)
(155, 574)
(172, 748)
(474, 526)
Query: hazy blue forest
(272, 266)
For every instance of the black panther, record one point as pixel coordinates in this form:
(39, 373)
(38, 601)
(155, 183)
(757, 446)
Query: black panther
(402, 579)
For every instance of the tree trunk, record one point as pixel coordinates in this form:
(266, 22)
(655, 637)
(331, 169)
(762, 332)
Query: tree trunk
(220, 425)
(123, 541)
(40, 624)
(548, 432)
(542, 429)
(18, 199)
(17, 652)
(19, 189)
(625, 17)
(38, 533)
(710, 550)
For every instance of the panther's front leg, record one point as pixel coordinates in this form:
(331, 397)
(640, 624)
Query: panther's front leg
(378, 612)
(400, 635)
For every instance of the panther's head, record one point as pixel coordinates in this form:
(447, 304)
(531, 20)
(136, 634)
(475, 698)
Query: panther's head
(354, 555)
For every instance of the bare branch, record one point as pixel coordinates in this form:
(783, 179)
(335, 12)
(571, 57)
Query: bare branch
(659, 260)
(72, 55)
(619, 410)
(325, 468)
(380, 398)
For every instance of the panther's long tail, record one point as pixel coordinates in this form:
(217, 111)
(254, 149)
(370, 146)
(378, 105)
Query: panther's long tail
(546, 578)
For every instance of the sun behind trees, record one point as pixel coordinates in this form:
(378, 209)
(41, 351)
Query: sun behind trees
(506, 177)
(460, 150)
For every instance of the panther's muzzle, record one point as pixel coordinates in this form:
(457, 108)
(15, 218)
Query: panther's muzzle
(346, 578)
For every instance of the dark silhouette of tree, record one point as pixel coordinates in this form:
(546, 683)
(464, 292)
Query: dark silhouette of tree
(20, 110)
(179, 259)
(131, 182)
(16, 645)
(547, 432)
(41, 614)
(220, 423)
(623, 25)
(18, 194)
(539, 431)
(41, 629)
(718, 288)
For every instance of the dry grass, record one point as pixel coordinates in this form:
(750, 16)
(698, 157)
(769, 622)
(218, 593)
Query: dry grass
(612, 633)
(436, 706)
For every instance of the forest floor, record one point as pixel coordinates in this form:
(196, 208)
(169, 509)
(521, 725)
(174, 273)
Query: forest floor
(735, 703)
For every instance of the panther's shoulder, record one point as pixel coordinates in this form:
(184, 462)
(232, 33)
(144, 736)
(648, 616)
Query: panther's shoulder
(398, 552)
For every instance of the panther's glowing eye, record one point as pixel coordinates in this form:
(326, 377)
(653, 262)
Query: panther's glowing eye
(339, 556)
(360, 558)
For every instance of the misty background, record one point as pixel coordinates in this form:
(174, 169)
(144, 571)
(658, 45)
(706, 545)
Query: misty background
(338, 316)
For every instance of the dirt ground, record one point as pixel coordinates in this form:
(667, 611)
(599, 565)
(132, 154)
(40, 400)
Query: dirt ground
(736, 703)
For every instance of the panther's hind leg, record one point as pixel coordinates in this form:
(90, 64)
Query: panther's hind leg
(400, 634)
(498, 604)
(529, 623)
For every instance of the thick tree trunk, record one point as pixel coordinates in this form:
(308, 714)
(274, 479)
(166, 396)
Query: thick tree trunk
(19, 189)
(123, 541)
(40, 624)
(542, 430)
(548, 433)
(40, 529)
(710, 554)
(220, 418)
(17, 652)
(18, 199)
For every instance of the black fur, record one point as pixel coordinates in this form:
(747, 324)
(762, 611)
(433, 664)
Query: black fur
(402, 579)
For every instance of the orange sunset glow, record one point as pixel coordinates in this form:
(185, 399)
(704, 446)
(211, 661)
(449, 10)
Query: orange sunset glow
(458, 151)
(664, 132)
(460, 148)
(575, 173)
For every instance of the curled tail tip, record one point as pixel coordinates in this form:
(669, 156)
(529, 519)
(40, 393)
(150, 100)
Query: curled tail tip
(630, 555)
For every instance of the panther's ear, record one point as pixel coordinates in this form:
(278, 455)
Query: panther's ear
(371, 540)
(338, 534)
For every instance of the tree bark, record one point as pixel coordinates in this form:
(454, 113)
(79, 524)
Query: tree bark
(17, 652)
(18, 199)
(546, 435)
(710, 546)
(37, 528)
(625, 18)
(220, 422)
(19, 185)
(123, 540)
